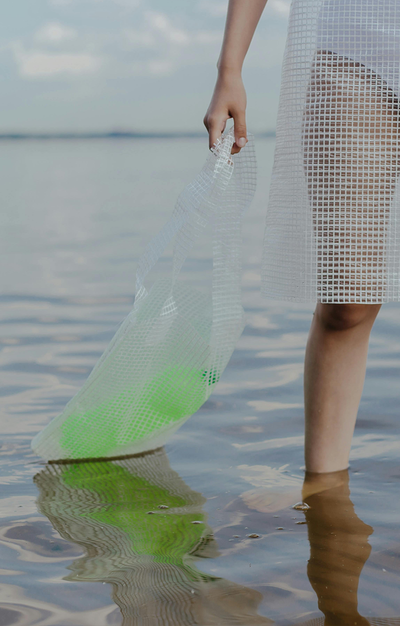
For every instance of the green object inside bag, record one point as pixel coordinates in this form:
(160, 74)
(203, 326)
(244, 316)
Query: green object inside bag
(135, 414)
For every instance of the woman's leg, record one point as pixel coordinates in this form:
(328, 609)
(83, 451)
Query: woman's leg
(334, 375)
(351, 138)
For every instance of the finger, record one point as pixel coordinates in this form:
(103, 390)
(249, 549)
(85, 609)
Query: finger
(215, 129)
(239, 119)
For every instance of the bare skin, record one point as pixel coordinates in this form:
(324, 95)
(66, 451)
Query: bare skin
(338, 343)
(335, 365)
(229, 98)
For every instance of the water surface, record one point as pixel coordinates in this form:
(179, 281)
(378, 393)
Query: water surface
(88, 543)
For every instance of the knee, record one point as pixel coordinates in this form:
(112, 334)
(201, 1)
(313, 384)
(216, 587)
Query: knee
(346, 316)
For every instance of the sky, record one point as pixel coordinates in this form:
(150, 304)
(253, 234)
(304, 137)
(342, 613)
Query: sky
(138, 65)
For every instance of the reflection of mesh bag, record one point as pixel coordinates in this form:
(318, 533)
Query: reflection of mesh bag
(114, 526)
(149, 560)
(171, 350)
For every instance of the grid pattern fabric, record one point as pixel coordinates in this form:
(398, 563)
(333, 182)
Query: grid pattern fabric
(171, 350)
(333, 228)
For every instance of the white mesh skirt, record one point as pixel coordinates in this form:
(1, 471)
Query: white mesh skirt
(333, 221)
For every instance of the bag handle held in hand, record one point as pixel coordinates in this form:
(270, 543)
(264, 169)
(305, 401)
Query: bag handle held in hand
(186, 223)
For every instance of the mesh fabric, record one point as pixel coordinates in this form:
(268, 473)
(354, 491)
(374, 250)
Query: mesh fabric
(171, 350)
(332, 231)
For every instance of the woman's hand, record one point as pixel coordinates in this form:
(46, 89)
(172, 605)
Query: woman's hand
(229, 101)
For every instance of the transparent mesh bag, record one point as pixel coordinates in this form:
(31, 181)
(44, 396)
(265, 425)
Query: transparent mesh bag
(171, 350)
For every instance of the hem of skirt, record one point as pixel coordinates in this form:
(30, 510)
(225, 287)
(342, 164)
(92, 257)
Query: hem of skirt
(318, 299)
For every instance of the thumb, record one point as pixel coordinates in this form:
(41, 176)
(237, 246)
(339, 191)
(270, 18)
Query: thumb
(240, 131)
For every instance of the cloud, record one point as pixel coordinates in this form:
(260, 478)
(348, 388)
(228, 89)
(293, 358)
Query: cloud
(39, 64)
(157, 31)
(54, 33)
(214, 8)
(160, 40)
(162, 26)
(155, 43)
(218, 8)
(164, 46)
(161, 67)
(281, 7)
(209, 37)
(139, 38)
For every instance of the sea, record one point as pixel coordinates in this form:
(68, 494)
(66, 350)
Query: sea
(207, 530)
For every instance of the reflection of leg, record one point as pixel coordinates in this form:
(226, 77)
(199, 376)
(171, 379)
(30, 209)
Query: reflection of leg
(338, 548)
(334, 377)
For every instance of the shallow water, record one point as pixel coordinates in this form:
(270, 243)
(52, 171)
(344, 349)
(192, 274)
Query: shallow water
(75, 217)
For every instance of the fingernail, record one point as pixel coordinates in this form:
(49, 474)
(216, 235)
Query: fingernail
(242, 142)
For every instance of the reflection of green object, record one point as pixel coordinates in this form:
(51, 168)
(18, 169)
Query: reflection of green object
(131, 507)
(116, 512)
(134, 414)
(125, 512)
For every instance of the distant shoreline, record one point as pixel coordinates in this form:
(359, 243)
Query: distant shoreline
(113, 135)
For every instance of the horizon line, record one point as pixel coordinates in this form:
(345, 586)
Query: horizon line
(116, 134)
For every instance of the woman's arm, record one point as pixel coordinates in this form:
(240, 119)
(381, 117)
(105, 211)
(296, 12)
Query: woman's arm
(229, 99)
